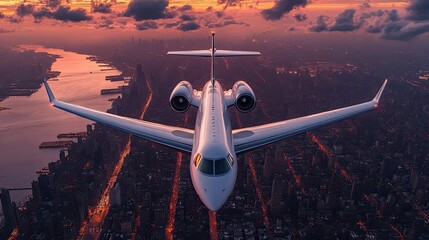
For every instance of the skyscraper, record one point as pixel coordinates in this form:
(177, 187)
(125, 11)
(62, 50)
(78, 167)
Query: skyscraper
(8, 211)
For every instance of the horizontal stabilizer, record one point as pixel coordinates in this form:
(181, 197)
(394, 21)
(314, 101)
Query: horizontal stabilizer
(218, 53)
(232, 53)
(192, 53)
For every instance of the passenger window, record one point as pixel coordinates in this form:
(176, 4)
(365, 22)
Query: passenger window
(206, 166)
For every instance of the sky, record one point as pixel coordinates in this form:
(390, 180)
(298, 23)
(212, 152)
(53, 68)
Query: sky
(395, 20)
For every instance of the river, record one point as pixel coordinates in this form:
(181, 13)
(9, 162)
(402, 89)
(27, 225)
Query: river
(31, 120)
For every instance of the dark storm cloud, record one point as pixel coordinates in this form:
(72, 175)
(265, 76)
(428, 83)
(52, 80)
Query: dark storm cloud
(188, 26)
(320, 25)
(146, 25)
(187, 17)
(101, 7)
(146, 9)
(24, 10)
(1, 15)
(300, 17)
(379, 20)
(65, 13)
(345, 22)
(388, 24)
(185, 7)
(404, 31)
(41, 13)
(282, 7)
(418, 10)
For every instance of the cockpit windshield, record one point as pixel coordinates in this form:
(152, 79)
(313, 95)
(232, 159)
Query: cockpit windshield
(213, 166)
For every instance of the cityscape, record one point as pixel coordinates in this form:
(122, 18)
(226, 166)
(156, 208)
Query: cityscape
(64, 177)
(363, 178)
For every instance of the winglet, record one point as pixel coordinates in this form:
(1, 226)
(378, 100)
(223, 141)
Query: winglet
(49, 91)
(377, 97)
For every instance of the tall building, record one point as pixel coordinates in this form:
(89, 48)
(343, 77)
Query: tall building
(276, 194)
(115, 195)
(8, 211)
(269, 163)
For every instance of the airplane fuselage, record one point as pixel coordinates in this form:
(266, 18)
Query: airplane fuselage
(213, 145)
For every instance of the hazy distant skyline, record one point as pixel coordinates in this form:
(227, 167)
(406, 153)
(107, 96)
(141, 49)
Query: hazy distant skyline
(393, 20)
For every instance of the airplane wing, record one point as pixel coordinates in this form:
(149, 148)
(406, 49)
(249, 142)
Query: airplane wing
(175, 137)
(252, 137)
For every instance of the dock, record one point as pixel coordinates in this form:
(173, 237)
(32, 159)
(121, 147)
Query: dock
(71, 135)
(55, 144)
(111, 91)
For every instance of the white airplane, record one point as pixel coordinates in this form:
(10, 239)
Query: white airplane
(213, 144)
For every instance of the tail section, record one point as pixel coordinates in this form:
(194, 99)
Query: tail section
(213, 53)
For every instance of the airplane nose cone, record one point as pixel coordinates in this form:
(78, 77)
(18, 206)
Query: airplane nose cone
(212, 204)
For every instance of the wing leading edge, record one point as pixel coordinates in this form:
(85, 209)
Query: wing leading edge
(175, 137)
(249, 138)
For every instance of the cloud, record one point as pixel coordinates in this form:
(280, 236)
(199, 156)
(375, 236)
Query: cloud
(14, 19)
(365, 5)
(146, 9)
(282, 7)
(379, 20)
(300, 17)
(403, 31)
(320, 25)
(106, 23)
(226, 23)
(24, 10)
(418, 10)
(185, 7)
(2, 30)
(188, 26)
(345, 22)
(101, 7)
(146, 25)
(388, 24)
(171, 24)
(53, 3)
(1, 15)
(229, 3)
(187, 17)
(65, 13)
(41, 13)
(219, 14)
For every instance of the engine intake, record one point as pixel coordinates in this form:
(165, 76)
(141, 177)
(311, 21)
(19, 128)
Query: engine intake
(245, 100)
(181, 97)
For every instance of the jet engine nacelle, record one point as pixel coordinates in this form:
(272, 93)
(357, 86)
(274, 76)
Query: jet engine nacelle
(181, 97)
(245, 100)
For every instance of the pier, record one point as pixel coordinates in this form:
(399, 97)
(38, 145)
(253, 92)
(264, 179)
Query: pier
(55, 144)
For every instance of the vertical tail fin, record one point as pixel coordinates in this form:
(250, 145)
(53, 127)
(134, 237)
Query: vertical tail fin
(213, 50)
(213, 53)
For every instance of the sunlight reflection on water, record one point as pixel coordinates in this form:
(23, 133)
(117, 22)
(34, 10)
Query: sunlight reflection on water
(31, 120)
